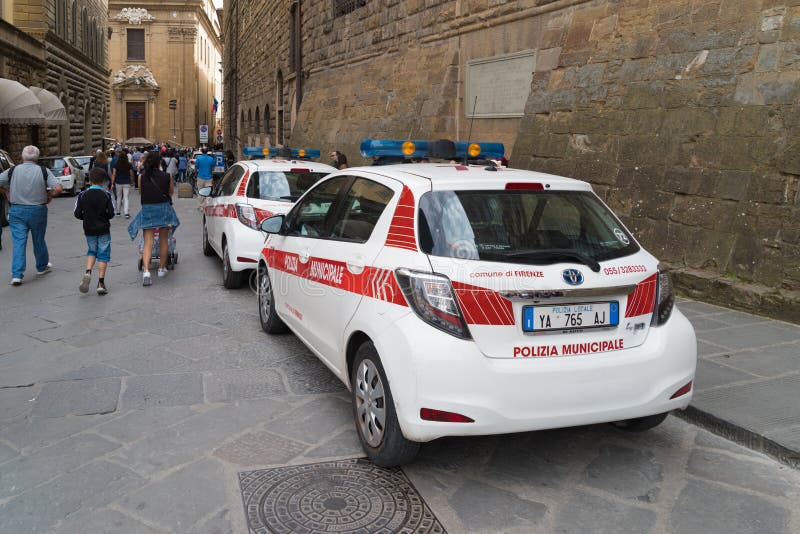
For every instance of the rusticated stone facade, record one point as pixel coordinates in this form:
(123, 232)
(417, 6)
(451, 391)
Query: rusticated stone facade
(682, 113)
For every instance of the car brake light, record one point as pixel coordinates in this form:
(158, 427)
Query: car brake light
(683, 391)
(432, 298)
(67, 171)
(299, 170)
(247, 215)
(665, 299)
(429, 414)
(521, 186)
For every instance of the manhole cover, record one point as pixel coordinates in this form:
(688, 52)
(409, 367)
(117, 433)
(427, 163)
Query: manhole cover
(344, 496)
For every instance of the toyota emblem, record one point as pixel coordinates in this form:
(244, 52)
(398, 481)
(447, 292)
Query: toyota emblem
(572, 276)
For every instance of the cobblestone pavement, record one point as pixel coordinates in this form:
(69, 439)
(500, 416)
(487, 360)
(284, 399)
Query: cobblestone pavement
(137, 412)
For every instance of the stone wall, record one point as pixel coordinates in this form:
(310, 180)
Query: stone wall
(684, 115)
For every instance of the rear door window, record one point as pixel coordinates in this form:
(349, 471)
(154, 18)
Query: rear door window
(227, 185)
(311, 216)
(362, 207)
(283, 186)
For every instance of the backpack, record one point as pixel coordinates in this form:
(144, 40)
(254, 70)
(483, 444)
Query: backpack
(11, 173)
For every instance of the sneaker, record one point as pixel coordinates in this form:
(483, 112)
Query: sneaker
(84, 287)
(46, 270)
(101, 288)
(127, 216)
(117, 213)
(16, 281)
(162, 272)
(146, 280)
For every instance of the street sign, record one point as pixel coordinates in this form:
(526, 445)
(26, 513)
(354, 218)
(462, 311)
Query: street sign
(219, 132)
(219, 139)
(173, 104)
(204, 133)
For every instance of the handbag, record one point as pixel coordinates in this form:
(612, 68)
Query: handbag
(169, 198)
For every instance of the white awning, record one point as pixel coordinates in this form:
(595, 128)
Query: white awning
(18, 105)
(52, 108)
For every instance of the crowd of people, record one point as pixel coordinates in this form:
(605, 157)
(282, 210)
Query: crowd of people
(154, 170)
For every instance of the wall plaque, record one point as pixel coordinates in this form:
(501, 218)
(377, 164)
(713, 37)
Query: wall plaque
(501, 83)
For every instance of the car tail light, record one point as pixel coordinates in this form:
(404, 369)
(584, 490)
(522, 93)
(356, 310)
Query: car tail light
(299, 170)
(665, 299)
(682, 391)
(432, 298)
(522, 186)
(247, 215)
(67, 170)
(429, 414)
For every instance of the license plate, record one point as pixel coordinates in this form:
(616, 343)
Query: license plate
(570, 316)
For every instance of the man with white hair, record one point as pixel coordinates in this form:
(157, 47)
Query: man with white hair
(30, 187)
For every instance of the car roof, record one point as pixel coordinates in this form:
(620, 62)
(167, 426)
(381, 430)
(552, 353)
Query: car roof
(452, 176)
(286, 165)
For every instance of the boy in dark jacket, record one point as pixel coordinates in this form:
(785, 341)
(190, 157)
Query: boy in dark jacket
(95, 208)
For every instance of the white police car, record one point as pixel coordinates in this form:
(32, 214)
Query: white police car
(249, 192)
(467, 299)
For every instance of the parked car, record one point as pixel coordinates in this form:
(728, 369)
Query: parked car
(68, 170)
(6, 162)
(458, 300)
(248, 193)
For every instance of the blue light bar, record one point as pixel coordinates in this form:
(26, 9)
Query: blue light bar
(373, 148)
(258, 152)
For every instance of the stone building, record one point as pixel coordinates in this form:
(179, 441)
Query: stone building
(683, 114)
(162, 51)
(58, 45)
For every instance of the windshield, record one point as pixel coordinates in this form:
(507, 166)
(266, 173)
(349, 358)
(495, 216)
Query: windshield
(530, 227)
(53, 164)
(279, 185)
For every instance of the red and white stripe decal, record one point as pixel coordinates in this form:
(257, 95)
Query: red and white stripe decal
(642, 300)
(483, 306)
(262, 214)
(242, 191)
(372, 282)
(221, 210)
(401, 231)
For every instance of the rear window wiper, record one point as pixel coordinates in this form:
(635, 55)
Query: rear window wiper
(556, 254)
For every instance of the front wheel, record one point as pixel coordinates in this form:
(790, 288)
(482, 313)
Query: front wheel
(270, 322)
(640, 424)
(374, 413)
(207, 249)
(230, 279)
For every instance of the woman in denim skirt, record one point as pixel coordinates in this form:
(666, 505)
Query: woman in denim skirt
(156, 189)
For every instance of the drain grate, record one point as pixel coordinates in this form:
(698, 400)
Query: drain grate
(343, 496)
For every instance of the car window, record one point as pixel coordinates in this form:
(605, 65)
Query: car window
(310, 217)
(362, 207)
(279, 185)
(54, 164)
(520, 226)
(227, 185)
(4, 163)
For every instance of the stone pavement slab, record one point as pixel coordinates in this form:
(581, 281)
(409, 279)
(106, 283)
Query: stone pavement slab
(78, 397)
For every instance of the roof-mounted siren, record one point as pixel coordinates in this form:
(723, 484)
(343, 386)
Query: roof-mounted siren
(399, 151)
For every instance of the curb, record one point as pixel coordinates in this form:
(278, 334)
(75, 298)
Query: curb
(740, 435)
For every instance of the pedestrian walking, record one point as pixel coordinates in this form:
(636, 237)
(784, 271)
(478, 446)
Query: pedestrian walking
(121, 180)
(156, 214)
(101, 162)
(29, 187)
(171, 165)
(95, 208)
(136, 161)
(183, 163)
(204, 163)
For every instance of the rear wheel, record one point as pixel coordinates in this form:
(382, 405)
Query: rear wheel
(374, 413)
(230, 279)
(270, 322)
(640, 424)
(207, 250)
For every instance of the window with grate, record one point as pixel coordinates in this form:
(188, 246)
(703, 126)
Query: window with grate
(343, 7)
(135, 44)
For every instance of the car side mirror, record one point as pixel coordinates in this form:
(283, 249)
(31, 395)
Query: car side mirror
(204, 191)
(272, 225)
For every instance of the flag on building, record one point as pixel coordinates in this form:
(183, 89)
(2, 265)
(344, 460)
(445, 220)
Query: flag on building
(215, 104)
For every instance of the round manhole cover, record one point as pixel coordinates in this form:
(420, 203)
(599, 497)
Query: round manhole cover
(344, 496)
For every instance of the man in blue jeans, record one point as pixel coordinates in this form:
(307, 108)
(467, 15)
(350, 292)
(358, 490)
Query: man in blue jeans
(204, 163)
(30, 188)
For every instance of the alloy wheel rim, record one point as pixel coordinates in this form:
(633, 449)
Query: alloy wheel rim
(370, 403)
(263, 295)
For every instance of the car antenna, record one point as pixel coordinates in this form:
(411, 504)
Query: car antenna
(469, 134)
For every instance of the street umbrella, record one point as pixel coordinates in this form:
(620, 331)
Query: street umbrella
(138, 141)
(18, 105)
(52, 108)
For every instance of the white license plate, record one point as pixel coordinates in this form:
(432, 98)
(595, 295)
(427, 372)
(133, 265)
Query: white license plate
(570, 316)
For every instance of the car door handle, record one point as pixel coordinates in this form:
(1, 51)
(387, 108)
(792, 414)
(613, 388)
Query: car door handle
(355, 266)
(303, 256)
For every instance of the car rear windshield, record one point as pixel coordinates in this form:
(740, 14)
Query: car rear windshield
(530, 227)
(279, 185)
(54, 164)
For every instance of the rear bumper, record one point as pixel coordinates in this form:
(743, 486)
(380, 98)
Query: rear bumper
(245, 248)
(518, 395)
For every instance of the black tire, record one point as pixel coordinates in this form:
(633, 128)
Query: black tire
(640, 424)
(392, 448)
(230, 279)
(207, 249)
(270, 322)
(4, 207)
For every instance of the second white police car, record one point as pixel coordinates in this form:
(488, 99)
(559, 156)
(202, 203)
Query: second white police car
(457, 299)
(249, 192)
